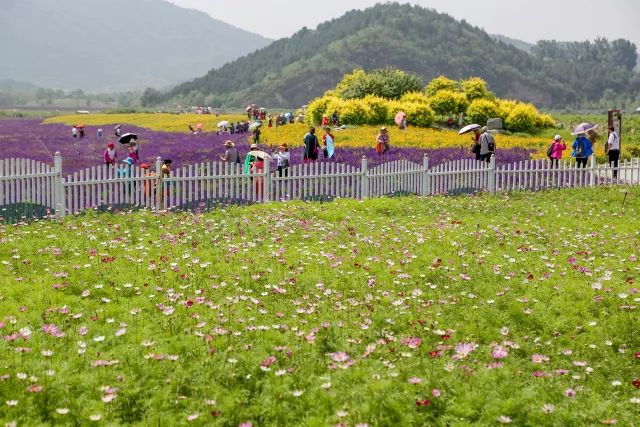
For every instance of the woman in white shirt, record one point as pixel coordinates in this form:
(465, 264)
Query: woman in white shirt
(283, 157)
(613, 149)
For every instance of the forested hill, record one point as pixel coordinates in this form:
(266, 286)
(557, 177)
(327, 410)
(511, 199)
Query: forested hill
(113, 45)
(292, 71)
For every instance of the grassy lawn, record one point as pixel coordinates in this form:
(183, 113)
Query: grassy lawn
(389, 312)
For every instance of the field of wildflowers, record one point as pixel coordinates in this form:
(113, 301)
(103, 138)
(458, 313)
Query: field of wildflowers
(477, 310)
(29, 138)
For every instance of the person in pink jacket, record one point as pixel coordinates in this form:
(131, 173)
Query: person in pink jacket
(110, 155)
(557, 147)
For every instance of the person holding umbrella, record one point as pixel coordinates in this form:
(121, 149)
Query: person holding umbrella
(487, 145)
(257, 168)
(132, 148)
(110, 154)
(310, 146)
(582, 146)
(250, 158)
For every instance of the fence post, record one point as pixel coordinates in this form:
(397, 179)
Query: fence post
(266, 196)
(593, 170)
(365, 178)
(425, 176)
(59, 186)
(492, 174)
(159, 189)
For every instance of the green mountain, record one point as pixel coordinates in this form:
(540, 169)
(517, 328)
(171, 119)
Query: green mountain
(291, 71)
(520, 44)
(113, 45)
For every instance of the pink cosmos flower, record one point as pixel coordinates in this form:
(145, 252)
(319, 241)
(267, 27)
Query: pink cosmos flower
(570, 393)
(415, 380)
(436, 392)
(339, 357)
(500, 353)
(412, 342)
(539, 358)
(464, 349)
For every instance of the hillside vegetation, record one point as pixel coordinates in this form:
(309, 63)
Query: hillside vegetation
(294, 70)
(113, 45)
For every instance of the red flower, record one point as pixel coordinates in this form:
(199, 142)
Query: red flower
(215, 413)
(435, 353)
(189, 303)
(423, 402)
(637, 354)
(636, 383)
(630, 280)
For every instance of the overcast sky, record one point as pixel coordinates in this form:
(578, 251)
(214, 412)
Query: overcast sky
(528, 20)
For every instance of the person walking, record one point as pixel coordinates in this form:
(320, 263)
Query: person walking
(249, 159)
(132, 148)
(556, 149)
(257, 168)
(325, 147)
(283, 158)
(110, 155)
(256, 135)
(231, 154)
(582, 150)
(383, 141)
(475, 145)
(487, 145)
(310, 146)
(613, 150)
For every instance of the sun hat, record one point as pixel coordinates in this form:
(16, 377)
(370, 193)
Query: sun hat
(284, 145)
(111, 145)
(557, 138)
(383, 128)
(145, 166)
(228, 144)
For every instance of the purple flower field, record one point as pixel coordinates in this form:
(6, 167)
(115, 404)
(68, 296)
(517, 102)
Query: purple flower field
(28, 138)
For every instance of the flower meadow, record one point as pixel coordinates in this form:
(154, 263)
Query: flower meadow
(480, 310)
(29, 138)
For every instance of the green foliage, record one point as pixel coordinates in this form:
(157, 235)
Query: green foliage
(354, 112)
(444, 102)
(476, 88)
(196, 321)
(417, 97)
(441, 83)
(420, 115)
(317, 108)
(481, 110)
(386, 83)
(378, 110)
(523, 118)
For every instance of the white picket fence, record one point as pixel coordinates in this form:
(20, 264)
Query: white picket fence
(205, 185)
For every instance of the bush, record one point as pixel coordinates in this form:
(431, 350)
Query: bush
(481, 110)
(523, 118)
(441, 83)
(354, 112)
(378, 110)
(476, 88)
(389, 83)
(417, 97)
(316, 109)
(420, 115)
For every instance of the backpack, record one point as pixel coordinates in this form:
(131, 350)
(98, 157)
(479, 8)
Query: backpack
(491, 143)
(579, 151)
(550, 151)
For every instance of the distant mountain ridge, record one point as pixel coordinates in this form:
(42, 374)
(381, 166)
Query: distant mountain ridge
(291, 71)
(109, 45)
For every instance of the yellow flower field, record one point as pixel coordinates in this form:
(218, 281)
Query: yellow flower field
(362, 136)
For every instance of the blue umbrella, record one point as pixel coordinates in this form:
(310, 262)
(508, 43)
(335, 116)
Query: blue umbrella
(584, 128)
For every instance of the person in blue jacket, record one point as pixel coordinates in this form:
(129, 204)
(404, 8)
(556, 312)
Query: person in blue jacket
(582, 150)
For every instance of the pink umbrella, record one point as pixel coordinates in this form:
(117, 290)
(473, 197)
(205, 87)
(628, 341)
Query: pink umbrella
(400, 117)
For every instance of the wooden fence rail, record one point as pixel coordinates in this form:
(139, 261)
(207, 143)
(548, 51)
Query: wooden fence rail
(31, 189)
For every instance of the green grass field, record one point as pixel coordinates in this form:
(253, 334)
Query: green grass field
(390, 312)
